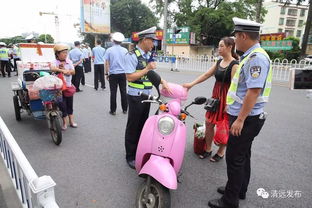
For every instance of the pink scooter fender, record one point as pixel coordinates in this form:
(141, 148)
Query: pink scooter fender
(161, 170)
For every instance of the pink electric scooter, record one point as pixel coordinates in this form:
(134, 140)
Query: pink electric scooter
(161, 147)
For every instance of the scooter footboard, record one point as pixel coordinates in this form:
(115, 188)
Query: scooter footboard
(161, 170)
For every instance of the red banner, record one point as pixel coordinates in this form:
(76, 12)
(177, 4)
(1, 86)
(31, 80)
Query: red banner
(272, 36)
(159, 35)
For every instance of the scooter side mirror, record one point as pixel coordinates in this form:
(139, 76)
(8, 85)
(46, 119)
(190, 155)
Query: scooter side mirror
(199, 100)
(154, 78)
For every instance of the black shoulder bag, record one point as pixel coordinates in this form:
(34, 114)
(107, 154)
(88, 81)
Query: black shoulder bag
(212, 104)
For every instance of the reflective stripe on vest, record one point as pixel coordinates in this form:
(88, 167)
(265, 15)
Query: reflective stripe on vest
(232, 96)
(142, 82)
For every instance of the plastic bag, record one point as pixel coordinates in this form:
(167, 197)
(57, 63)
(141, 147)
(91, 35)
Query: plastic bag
(199, 139)
(33, 93)
(222, 133)
(48, 82)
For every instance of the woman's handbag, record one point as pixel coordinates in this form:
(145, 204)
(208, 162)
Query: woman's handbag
(222, 133)
(70, 91)
(212, 104)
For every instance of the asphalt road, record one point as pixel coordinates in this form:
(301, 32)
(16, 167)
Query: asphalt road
(90, 170)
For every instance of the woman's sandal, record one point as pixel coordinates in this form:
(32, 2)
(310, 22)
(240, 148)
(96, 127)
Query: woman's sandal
(73, 125)
(204, 155)
(216, 158)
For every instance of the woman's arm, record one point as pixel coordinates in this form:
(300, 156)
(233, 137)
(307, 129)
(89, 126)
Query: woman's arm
(202, 77)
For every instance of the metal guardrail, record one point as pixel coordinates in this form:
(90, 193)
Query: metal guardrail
(281, 68)
(33, 191)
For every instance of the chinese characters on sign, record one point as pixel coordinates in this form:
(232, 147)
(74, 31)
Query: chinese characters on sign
(277, 45)
(95, 16)
(280, 194)
(272, 36)
(183, 37)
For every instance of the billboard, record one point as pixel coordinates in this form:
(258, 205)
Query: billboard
(277, 45)
(183, 37)
(272, 36)
(95, 16)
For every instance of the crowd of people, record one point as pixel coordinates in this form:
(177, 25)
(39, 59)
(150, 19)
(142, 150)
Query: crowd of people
(8, 54)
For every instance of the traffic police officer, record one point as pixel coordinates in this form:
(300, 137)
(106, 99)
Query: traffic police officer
(249, 91)
(4, 58)
(76, 56)
(115, 72)
(136, 67)
(16, 56)
(98, 56)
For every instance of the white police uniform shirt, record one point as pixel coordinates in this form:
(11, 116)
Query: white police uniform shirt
(115, 55)
(130, 64)
(253, 75)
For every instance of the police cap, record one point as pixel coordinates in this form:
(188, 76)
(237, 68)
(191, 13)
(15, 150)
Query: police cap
(149, 33)
(244, 25)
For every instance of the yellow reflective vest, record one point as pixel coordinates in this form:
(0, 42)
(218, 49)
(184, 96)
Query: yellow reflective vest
(264, 97)
(142, 82)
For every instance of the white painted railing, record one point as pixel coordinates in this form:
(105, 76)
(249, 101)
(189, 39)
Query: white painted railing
(33, 191)
(281, 68)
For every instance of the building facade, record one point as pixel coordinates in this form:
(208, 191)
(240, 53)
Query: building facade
(289, 18)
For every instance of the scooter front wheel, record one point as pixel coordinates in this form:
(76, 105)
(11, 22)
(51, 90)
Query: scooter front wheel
(158, 195)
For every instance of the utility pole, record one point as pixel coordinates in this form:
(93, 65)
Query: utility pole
(164, 44)
(259, 7)
(306, 31)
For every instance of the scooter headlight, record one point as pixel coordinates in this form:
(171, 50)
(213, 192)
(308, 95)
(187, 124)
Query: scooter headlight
(165, 125)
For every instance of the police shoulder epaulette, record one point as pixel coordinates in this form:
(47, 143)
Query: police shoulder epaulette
(253, 55)
(131, 52)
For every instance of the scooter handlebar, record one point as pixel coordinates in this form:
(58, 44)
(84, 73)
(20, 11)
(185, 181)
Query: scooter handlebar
(146, 96)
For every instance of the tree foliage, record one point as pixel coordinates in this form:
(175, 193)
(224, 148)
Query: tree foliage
(128, 16)
(46, 38)
(211, 19)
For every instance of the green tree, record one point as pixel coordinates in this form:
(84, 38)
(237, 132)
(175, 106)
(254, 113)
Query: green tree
(13, 40)
(46, 38)
(129, 16)
(212, 20)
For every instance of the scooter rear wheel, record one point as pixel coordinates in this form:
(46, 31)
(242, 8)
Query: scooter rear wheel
(159, 196)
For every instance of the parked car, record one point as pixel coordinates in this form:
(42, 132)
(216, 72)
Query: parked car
(308, 58)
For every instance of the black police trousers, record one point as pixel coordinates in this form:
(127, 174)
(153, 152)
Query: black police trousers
(99, 75)
(76, 79)
(238, 154)
(7, 66)
(137, 115)
(116, 80)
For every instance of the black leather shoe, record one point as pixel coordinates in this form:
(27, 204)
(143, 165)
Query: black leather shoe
(112, 113)
(218, 203)
(131, 164)
(221, 190)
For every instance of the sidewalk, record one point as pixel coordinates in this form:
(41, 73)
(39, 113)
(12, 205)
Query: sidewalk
(8, 195)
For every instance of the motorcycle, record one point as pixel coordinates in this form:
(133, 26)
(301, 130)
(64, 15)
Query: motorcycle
(161, 146)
